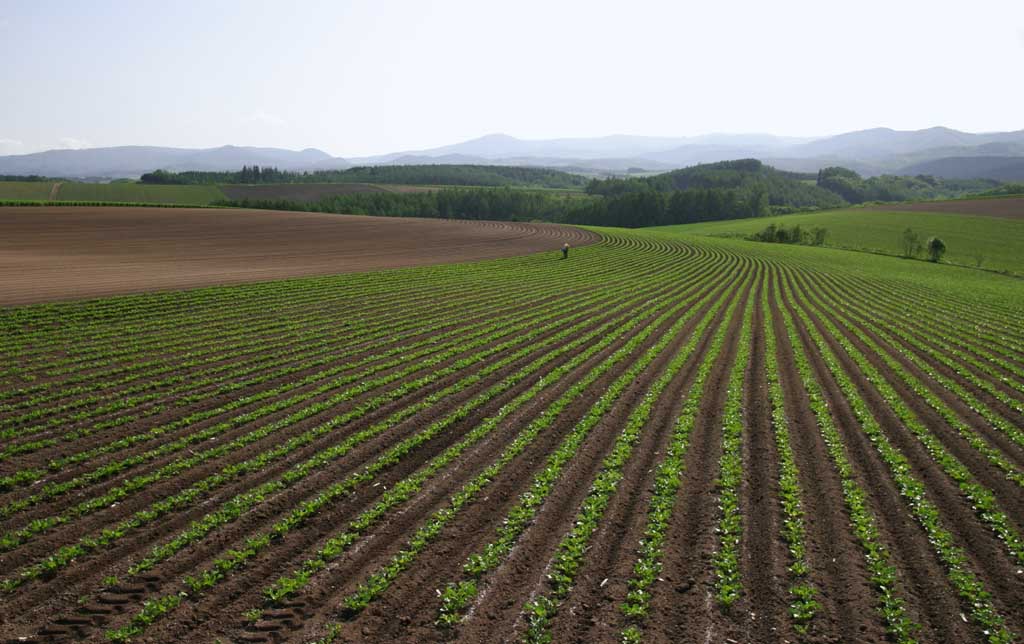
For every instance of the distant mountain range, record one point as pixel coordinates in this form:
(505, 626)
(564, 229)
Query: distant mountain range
(938, 150)
(134, 160)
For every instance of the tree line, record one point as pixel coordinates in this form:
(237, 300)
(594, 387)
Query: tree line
(440, 175)
(855, 189)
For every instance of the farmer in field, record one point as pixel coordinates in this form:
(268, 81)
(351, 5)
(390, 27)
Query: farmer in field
(565, 250)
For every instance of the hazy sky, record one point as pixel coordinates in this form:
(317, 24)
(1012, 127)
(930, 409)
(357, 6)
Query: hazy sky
(356, 78)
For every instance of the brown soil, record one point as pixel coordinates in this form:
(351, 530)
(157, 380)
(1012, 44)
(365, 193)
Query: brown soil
(49, 254)
(1011, 208)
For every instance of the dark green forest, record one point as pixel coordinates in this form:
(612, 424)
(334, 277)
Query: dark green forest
(717, 191)
(437, 175)
(448, 203)
(853, 188)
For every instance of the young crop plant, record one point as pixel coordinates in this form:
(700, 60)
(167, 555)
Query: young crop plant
(803, 603)
(68, 553)
(971, 591)
(379, 581)
(728, 585)
(981, 498)
(457, 596)
(254, 545)
(667, 481)
(570, 553)
(891, 604)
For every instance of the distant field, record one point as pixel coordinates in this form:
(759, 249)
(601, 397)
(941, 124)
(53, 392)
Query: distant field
(298, 191)
(993, 241)
(25, 189)
(1012, 208)
(139, 193)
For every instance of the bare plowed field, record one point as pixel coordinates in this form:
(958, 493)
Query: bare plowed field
(49, 254)
(1011, 208)
(660, 439)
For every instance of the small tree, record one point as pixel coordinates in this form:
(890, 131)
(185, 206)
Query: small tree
(910, 241)
(819, 235)
(936, 249)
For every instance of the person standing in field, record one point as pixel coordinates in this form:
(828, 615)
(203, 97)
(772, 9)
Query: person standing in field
(565, 250)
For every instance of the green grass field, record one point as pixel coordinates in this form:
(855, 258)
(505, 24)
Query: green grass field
(970, 240)
(135, 193)
(25, 190)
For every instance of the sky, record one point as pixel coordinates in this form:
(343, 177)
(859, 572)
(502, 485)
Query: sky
(356, 78)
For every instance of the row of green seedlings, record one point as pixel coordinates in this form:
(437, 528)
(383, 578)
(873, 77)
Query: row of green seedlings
(119, 335)
(980, 497)
(1002, 326)
(668, 479)
(185, 399)
(962, 326)
(519, 518)
(726, 559)
(380, 580)
(426, 346)
(335, 547)
(407, 322)
(67, 554)
(279, 338)
(571, 551)
(522, 332)
(366, 381)
(227, 378)
(960, 575)
(458, 334)
(950, 358)
(200, 528)
(458, 595)
(326, 356)
(927, 395)
(236, 558)
(92, 346)
(33, 327)
(193, 419)
(484, 292)
(955, 333)
(803, 603)
(891, 605)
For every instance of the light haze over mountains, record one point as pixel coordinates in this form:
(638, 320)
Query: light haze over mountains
(939, 151)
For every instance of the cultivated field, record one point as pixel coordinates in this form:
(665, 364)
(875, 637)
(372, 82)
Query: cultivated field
(1010, 208)
(972, 240)
(77, 252)
(664, 438)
